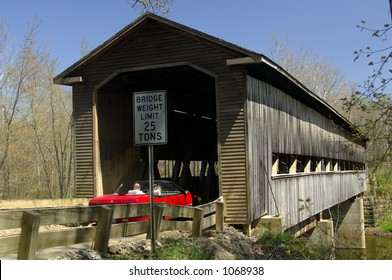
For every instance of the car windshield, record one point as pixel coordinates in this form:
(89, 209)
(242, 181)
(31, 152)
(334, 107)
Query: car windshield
(167, 187)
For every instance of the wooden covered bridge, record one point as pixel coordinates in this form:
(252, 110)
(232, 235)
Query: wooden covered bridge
(239, 126)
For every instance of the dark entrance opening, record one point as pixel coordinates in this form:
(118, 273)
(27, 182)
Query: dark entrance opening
(190, 156)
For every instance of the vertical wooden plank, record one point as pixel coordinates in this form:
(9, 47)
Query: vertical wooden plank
(29, 235)
(104, 226)
(98, 185)
(219, 216)
(158, 212)
(197, 227)
(275, 164)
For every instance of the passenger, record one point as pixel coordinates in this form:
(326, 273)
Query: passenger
(157, 190)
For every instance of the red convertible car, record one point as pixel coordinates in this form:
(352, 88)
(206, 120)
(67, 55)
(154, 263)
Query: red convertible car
(164, 191)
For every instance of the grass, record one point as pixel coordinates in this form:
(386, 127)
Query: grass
(171, 249)
(286, 246)
(386, 223)
(177, 249)
(384, 188)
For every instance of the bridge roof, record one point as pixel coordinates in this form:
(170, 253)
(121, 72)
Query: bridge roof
(259, 65)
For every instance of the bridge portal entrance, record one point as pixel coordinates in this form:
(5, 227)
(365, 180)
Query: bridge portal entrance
(190, 156)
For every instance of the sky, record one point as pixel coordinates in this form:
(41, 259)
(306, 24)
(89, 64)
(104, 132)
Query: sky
(325, 27)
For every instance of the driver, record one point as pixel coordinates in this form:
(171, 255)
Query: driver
(137, 188)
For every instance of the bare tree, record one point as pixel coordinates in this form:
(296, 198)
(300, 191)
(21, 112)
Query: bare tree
(162, 7)
(20, 67)
(61, 136)
(372, 101)
(314, 71)
(36, 123)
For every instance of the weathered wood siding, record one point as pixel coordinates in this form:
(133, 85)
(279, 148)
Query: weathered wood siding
(83, 129)
(278, 123)
(324, 190)
(156, 44)
(232, 151)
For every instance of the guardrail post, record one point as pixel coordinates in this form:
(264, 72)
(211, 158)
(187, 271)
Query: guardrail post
(104, 225)
(29, 235)
(219, 216)
(158, 212)
(197, 225)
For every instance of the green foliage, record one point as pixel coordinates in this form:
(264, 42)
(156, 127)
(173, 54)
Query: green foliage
(286, 246)
(384, 184)
(386, 223)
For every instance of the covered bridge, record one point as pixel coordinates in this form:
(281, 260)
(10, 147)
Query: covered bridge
(239, 126)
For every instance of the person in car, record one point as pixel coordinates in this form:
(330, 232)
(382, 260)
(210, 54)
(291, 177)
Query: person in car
(137, 189)
(157, 190)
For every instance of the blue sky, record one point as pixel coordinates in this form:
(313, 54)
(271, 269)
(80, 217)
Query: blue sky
(326, 27)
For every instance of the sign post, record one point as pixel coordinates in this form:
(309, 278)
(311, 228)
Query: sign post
(150, 128)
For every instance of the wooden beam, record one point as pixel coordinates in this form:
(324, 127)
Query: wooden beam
(197, 226)
(69, 81)
(249, 60)
(241, 60)
(29, 235)
(97, 167)
(220, 216)
(104, 227)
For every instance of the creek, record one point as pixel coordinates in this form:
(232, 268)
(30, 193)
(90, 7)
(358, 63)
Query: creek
(377, 248)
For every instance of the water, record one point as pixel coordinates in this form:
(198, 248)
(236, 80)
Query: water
(377, 248)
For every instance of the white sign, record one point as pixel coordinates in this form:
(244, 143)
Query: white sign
(149, 117)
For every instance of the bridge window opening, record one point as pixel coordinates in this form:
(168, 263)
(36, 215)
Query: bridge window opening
(291, 164)
(323, 165)
(313, 164)
(343, 166)
(283, 164)
(292, 160)
(195, 176)
(328, 165)
(300, 167)
(334, 165)
(167, 168)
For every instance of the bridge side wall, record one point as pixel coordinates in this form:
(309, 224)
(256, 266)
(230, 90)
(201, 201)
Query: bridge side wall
(299, 198)
(279, 124)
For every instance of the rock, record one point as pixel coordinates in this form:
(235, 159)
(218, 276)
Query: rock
(216, 251)
(229, 244)
(88, 254)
